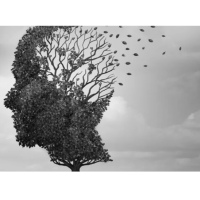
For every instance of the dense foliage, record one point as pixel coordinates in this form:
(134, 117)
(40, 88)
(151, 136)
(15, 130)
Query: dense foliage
(50, 108)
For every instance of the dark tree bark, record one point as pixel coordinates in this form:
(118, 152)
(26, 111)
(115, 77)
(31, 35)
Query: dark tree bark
(75, 169)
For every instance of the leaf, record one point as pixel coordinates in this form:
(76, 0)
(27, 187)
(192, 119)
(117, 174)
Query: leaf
(152, 26)
(145, 65)
(127, 49)
(128, 63)
(128, 73)
(150, 40)
(143, 48)
(180, 48)
(123, 42)
(111, 35)
(105, 31)
(123, 55)
(120, 26)
(117, 35)
(129, 35)
(163, 53)
(138, 39)
(142, 30)
(120, 84)
(115, 52)
(135, 54)
(95, 28)
(163, 35)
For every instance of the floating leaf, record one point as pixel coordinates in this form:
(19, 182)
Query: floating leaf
(127, 48)
(120, 26)
(115, 51)
(123, 55)
(163, 53)
(143, 48)
(150, 40)
(124, 42)
(142, 30)
(138, 39)
(95, 28)
(120, 84)
(117, 35)
(152, 26)
(128, 63)
(145, 65)
(135, 54)
(163, 35)
(180, 48)
(129, 35)
(117, 64)
(116, 60)
(128, 73)
(111, 35)
(105, 31)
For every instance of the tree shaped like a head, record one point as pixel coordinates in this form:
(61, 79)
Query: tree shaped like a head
(55, 106)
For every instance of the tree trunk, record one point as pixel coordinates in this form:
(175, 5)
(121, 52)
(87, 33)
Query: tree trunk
(75, 169)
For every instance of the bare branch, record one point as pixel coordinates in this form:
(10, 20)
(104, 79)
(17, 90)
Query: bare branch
(58, 163)
(91, 163)
(76, 76)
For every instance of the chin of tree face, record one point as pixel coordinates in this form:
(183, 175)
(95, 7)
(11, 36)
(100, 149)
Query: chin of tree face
(63, 86)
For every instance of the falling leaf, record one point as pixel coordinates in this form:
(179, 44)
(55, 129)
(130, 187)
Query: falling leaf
(124, 42)
(129, 35)
(105, 31)
(115, 51)
(180, 48)
(138, 39)
(128, 73)
(128, 63)
(120, 26)
(120, 84)
(150, 40)
(163, 35)
(117, 35)
(142, 30)
(111, 35)
(145, 65)
(143, 47)
(152, 26)
(163, 53)
(127, 48)
(135, 54)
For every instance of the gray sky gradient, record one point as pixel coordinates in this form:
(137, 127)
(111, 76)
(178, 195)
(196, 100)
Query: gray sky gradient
(153, 121)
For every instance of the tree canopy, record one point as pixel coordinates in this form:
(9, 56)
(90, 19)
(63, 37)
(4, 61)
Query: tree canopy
(55, 106)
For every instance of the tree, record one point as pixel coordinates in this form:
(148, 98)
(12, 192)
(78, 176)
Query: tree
(54, 105)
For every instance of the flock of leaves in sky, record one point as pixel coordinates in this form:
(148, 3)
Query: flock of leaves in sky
(127, 49)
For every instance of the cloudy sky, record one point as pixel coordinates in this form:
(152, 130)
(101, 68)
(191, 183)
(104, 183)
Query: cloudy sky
(153, 121)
